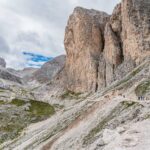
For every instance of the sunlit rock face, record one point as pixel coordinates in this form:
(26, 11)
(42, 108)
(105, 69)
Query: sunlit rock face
(84, 43)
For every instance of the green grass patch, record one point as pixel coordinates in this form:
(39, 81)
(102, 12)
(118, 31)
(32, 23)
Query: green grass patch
(37, 110)
(128, 103)
(40, 110)
(11, 128)
(70, 95)
(136, 71)
(18, 102)
(143, 88)
(22, 113)
(2, 102)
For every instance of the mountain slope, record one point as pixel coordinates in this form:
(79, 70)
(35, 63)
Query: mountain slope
(49, 69)
(100, 94)
(89, 122)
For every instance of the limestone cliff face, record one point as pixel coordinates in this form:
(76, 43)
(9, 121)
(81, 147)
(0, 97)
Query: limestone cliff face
(84, 43)
(136, 29)
(127, 36)
(102, 48)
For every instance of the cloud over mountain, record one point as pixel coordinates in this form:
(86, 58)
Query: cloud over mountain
(37, 26)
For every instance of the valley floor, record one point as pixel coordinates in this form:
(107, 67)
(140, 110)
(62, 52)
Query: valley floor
(103, 124)
(110, 119)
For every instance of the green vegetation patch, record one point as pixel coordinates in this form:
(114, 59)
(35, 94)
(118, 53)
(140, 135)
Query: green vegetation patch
(21, 113)
(70, 95)
(127, 104)
(1, 91)
(2, 102)
(136, 71)
(18, 102)
(40, 110)
(143, 88)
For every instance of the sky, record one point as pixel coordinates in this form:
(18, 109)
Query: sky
(32, 31)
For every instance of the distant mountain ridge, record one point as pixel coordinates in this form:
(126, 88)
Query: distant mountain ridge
(42, 75)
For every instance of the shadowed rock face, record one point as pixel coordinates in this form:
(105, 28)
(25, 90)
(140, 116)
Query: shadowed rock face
(136, 29)
(127, 37)
(6, 75)
(42, 75)
(49, 69)
(102, 48)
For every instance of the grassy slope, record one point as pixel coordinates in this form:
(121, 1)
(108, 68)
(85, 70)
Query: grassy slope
(18, 114)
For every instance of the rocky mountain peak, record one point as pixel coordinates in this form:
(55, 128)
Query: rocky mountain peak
(84, 43)
(49, 69)
(2, 62)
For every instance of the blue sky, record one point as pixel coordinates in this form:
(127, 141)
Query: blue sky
(35, 60)
(36, 57)
(37, 28)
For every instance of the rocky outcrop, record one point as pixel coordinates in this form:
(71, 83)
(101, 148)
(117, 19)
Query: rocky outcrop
(49, 69)
(6, 75)
(127, 36)
(2, 62)
(102, 48)
(84, 43)
(24, 73)
(135, 29)
(112, 53)
(27, 72)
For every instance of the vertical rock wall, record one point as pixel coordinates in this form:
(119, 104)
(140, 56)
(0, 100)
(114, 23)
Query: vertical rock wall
(102, 48)
(84, 43)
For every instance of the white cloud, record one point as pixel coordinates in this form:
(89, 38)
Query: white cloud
(38, 26)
